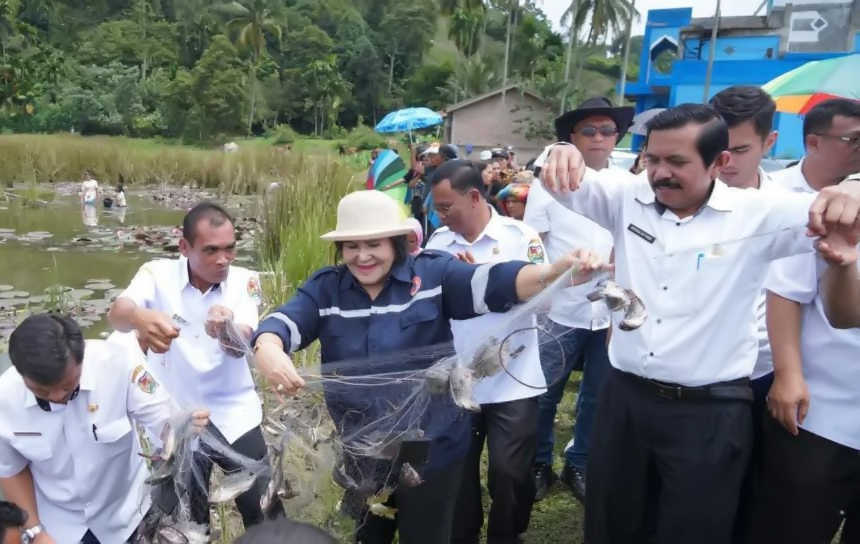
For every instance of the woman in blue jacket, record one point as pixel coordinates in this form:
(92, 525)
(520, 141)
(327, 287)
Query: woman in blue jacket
(380, 302)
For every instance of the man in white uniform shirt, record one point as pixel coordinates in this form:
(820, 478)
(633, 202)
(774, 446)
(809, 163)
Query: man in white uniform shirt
(509, 410)
(68, 452)
(575, 333)
(840, 291)
(749, 112)
(179, 308)
(831, 137)
(696, 252)
(811, 477)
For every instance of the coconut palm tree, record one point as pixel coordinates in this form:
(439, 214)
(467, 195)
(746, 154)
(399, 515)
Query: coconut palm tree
(250, 23)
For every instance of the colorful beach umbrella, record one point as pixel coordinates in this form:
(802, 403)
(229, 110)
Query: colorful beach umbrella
(801, 89)
(387, 169)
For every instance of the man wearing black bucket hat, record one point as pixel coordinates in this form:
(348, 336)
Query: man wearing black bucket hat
(595, 128)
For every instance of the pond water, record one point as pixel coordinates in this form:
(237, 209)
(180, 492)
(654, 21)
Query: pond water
(90, 251)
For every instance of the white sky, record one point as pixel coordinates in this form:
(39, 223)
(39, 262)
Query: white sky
(701, 8)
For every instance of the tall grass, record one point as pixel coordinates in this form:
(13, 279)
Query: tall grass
(28, 159)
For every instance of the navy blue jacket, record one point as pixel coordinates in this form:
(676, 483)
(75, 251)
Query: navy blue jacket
(391, 334)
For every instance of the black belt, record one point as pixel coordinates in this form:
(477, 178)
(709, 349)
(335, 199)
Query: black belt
(733, 390)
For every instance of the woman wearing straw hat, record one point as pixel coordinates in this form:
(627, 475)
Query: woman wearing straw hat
(378, 303)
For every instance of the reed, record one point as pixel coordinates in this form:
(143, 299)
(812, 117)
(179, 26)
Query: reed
(29, 159)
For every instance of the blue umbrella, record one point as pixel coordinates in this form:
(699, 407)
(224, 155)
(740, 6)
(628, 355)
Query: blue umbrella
(408, 119)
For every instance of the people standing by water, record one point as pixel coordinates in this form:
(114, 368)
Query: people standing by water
(199, 293)
(507, 422)
(68, 453)
(379, 301)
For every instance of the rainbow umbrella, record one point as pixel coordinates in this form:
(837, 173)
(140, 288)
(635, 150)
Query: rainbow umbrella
(801, 89)
(387, 169)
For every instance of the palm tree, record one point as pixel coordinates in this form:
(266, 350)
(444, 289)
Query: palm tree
(449, 7)
(251, 23)
(626, 54)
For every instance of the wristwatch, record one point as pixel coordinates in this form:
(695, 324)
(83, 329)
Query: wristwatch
(28, 535)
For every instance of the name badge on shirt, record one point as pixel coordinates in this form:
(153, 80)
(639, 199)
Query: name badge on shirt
(650, 238)
(27, 433)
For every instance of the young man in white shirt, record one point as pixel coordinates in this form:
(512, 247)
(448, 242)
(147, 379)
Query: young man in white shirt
(68, 451)
(509, 410)
(696, 252)
(575, 333)
(749, 112)
(811, 476)
(179, 309)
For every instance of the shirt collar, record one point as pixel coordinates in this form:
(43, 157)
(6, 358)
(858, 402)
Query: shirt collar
(494, 229)
(401, 272)
(185, 275)
(87, 383)
(719, 200)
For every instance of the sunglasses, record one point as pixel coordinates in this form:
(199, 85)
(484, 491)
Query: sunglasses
(592, 131)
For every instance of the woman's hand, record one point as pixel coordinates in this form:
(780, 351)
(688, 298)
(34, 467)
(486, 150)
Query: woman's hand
(466, 257)
(277, 368)
(582, 263)
(199, 419)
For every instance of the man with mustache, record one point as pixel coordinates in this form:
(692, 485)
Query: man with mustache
(674, 415)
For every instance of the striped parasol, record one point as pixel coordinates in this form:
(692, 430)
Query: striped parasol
(803, 88)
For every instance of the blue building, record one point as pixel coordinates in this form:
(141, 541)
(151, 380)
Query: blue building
(750, 50)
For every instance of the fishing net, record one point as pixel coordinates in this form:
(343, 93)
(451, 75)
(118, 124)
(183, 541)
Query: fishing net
(361, 429)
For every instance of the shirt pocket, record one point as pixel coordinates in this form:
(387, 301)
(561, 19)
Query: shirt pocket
(33, 448)
(418, 328)
(712, 272)
(343, 338)
(114, 436)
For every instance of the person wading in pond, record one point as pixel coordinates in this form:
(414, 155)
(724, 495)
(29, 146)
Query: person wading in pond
(653, 475)
(200, 293)
(379, 302)
(507, 421)
(574, 335)
(68, 452)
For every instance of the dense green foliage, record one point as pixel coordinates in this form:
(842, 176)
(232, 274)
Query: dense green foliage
(200, 70)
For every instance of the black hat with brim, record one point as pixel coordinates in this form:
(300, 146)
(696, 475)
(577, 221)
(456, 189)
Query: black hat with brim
(594, 107)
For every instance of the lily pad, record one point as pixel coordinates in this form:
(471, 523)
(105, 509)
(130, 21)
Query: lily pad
(14, 294)
(80, 293)
(101, 286)
(5, 288)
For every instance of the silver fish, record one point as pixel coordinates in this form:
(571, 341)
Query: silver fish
(437, 377)
(233, 485)
(409, 477)
(635, 315)
(486, 362)
(170, 535)
(611, 294)
(461, 389)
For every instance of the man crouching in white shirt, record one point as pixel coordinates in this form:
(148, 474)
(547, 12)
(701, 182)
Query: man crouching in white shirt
(68, 454)
(509, 410)
(180, 308)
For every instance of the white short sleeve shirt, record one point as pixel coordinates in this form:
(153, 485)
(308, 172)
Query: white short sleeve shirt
(84, 455)
(829, 356)
(503, 239)
(195, 370)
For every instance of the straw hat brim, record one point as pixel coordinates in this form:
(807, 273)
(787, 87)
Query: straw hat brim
(359, 235)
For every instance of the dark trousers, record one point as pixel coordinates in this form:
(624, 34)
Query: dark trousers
(809, 485)
(664, 471)
(424, 513)
(90, 538)
(575, 347)
(746, 503)
(251, 445)
(509, 429)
